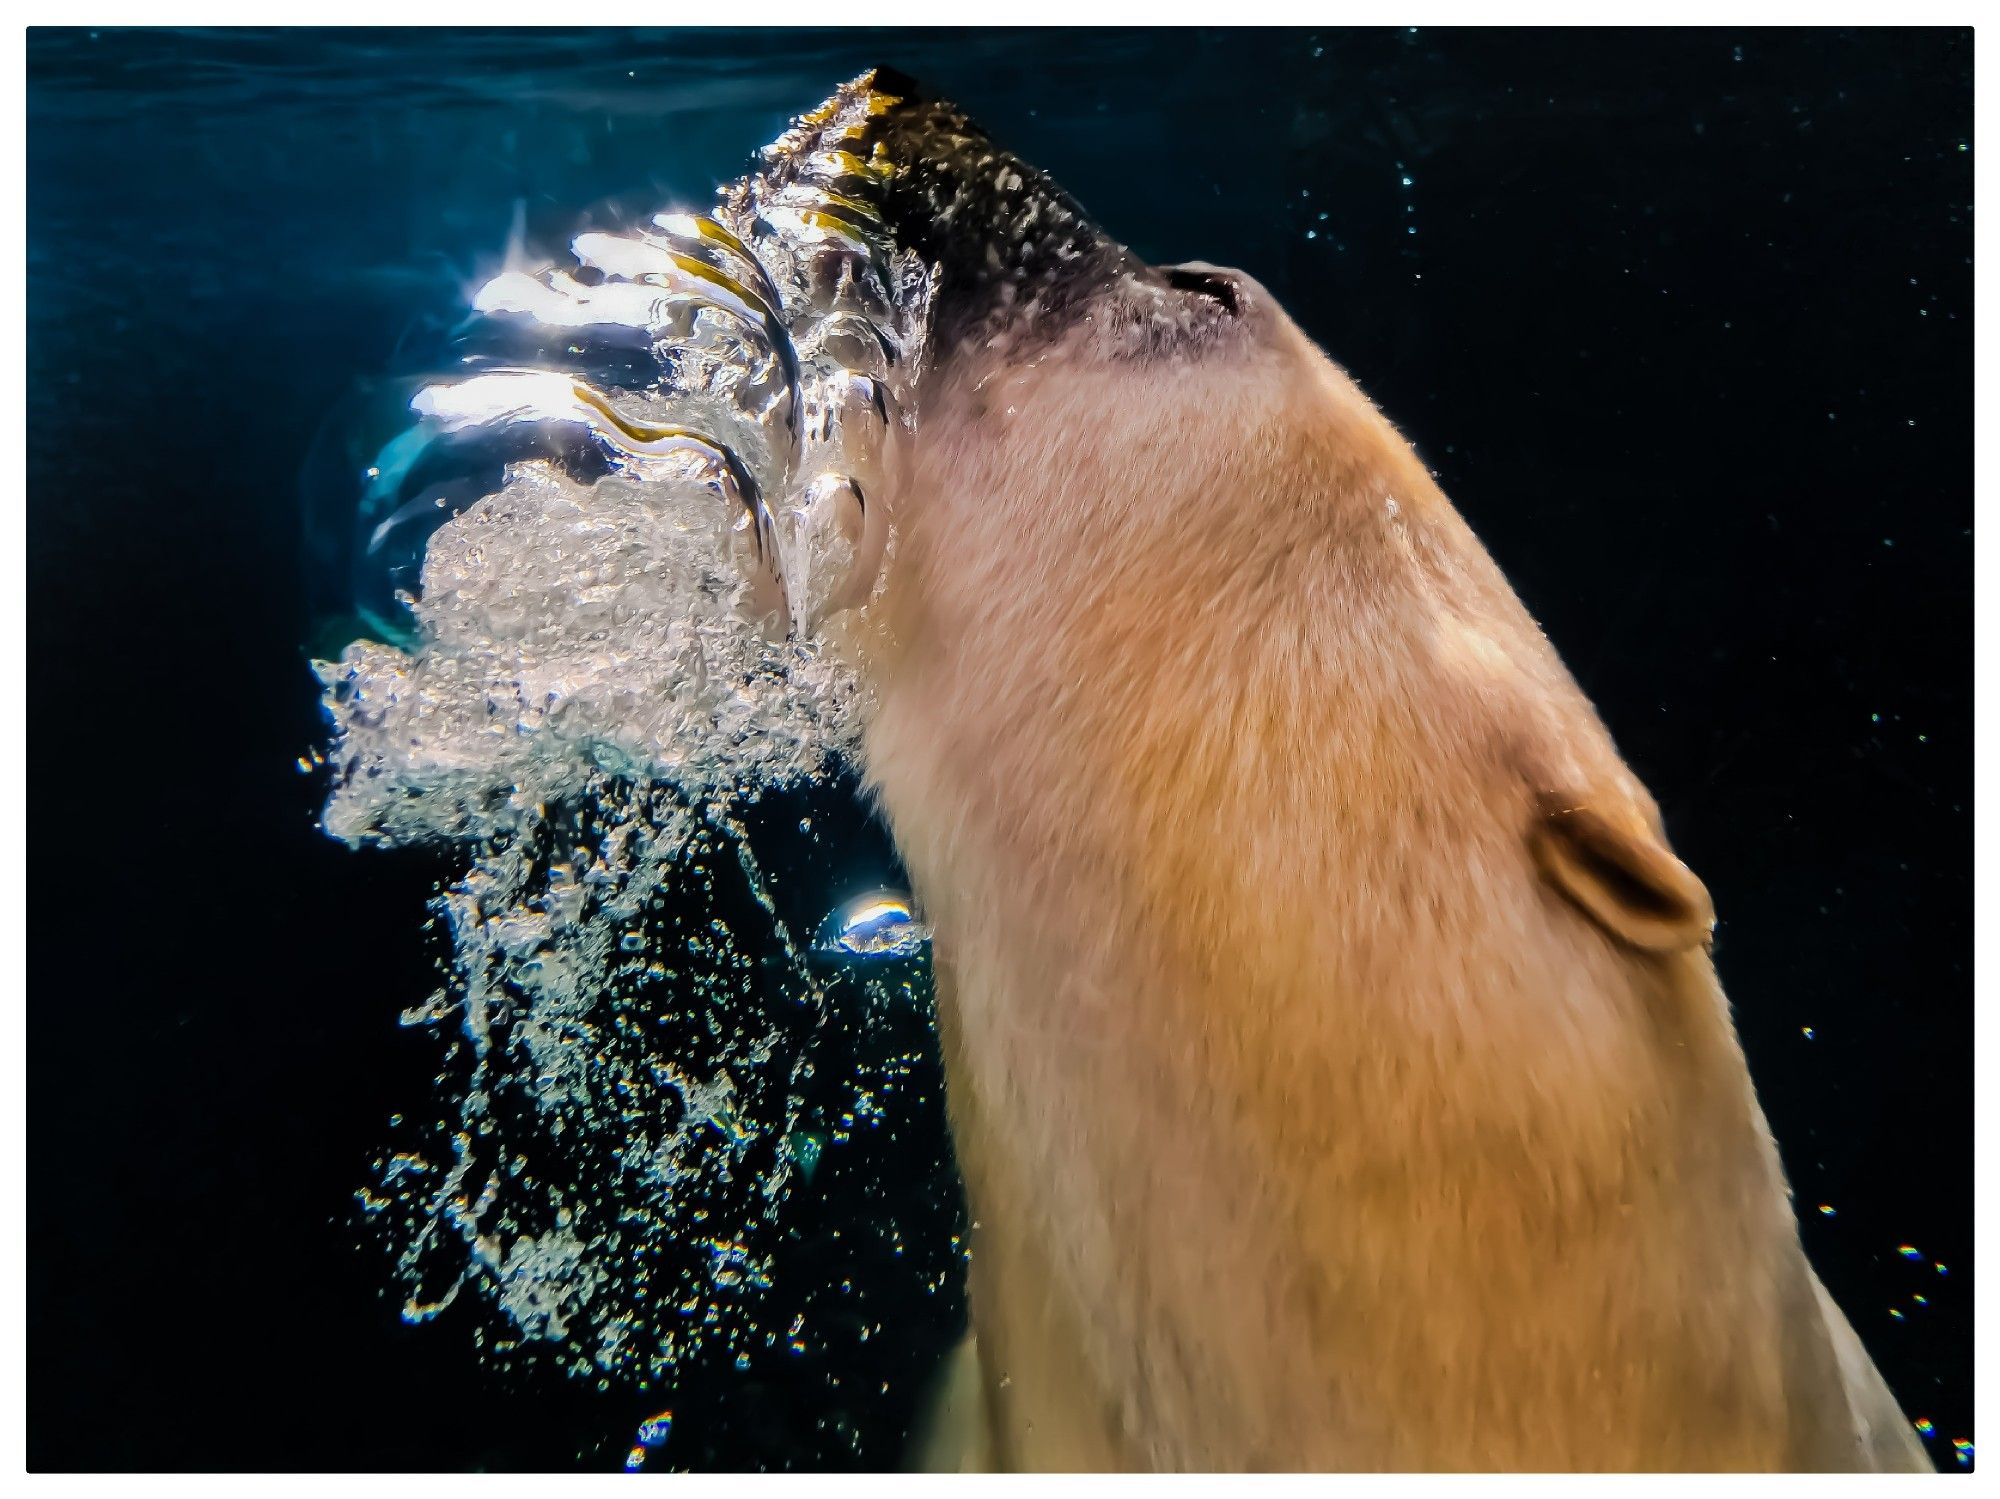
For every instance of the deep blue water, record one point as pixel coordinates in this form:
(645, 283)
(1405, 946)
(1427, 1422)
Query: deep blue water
(1682, 319)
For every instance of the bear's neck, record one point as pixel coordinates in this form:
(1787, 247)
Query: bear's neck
(1306, 1105)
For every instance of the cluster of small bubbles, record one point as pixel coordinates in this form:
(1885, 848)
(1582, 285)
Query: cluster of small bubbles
(577, 701)
(1911, 1254)
(611, 1176)
(1407, 182)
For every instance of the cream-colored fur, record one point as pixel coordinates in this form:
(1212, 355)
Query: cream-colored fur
(1338, 1072)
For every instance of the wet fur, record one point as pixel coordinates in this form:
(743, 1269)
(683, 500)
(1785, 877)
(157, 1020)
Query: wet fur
(1310, 1115)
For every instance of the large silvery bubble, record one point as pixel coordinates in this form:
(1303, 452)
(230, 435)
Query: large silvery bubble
(875, 926)
(597, 558)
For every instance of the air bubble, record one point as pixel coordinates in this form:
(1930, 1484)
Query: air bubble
(550, 662)
(879, 924)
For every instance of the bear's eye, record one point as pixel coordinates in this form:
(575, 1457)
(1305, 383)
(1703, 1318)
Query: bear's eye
(1217, 286)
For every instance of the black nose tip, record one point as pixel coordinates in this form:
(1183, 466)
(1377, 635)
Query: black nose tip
(884, 79)
(1219, 286)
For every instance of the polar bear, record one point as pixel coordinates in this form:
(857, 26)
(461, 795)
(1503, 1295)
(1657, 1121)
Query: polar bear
(1334, 1057)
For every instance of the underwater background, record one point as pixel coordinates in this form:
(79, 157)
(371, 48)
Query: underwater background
(1682, 320)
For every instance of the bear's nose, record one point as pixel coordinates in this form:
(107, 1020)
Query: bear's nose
(999, 235)
(1223, 287)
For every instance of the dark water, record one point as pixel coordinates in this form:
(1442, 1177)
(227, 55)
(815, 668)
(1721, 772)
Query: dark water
(1682, 319)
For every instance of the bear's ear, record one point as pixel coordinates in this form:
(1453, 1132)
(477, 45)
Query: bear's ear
(1621, 875)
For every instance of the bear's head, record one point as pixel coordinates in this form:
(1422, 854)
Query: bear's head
(1128, 463)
